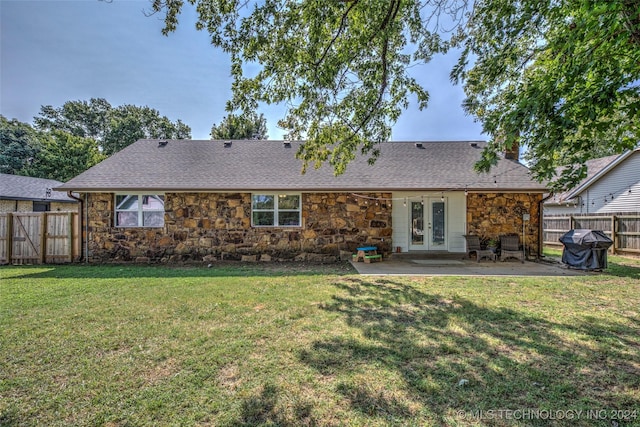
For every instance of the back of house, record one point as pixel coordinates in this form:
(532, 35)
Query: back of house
(181, 200)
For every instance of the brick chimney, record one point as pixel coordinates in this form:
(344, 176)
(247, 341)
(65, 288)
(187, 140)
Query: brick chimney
(513, 153)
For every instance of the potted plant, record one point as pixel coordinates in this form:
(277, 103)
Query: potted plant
(492, 245)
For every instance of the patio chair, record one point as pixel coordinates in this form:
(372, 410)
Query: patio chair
(510, 248)
(473, 245)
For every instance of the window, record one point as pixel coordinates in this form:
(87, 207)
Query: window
(275, 210)
(138, 210)
(41, 206)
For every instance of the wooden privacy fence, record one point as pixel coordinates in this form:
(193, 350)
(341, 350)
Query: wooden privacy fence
(39, 237)
(624, 230)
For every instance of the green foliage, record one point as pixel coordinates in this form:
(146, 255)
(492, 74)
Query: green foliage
(70, 139)
(559, 76)
(79, 118)
(54, 155)
(64, 156)
(114, 128)
(19, 145)
(243, 126)
(340, 66)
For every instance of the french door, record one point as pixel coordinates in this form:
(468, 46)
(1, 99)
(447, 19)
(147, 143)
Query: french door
(428, 225)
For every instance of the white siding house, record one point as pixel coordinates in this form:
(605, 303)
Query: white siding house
(612, 186)
(429, 221)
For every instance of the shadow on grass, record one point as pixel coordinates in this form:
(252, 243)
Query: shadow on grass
(623, 270)
(618, 266)
(222, 269)
(427, 343)
(264, 409)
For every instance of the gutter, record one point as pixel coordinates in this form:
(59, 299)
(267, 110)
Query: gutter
(84, 245)
(35, 199)
(291, 189)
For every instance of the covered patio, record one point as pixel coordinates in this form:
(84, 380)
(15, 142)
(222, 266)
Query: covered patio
(447, 264)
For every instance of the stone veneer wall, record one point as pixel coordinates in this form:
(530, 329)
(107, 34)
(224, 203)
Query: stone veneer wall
(218, 226)
(494, 214)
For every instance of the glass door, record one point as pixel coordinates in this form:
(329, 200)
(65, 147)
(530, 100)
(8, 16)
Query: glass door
(416, 227)
(428, 225)
(437, 229)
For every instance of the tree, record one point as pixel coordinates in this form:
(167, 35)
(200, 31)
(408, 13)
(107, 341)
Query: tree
(114, 128)
(129, 123)
(560, 77)
(341, 66)
(244, 126)
(19, 145)
(79, 118)
(63, 156)
(556, 74)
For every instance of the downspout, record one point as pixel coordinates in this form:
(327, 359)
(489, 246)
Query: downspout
(540, 226)
(86, 223)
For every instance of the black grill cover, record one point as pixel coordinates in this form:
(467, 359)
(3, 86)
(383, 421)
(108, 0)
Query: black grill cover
(585, 249)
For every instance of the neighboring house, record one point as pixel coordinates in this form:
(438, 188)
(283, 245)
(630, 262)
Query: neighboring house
(188, 200)
(612, 186)
(27, 194)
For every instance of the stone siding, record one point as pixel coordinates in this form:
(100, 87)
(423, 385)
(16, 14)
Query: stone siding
(214, 226)
(490, 215)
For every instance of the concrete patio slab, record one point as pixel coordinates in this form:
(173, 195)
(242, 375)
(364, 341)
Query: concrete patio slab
(419, 264)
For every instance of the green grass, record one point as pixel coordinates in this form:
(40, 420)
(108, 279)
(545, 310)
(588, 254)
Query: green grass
(231, 346)
(623, 266)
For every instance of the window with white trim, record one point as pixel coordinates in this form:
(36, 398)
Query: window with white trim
(139, 210)
(276, 210)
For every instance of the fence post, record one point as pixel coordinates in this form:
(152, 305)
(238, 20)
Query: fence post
(70, 235)
(614, 223)
(77, 236)
(9, 237)
(43, 237)
(571, 222)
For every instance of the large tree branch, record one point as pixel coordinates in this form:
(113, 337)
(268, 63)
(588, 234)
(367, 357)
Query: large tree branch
(381, 90)
(392, 12)
(343, 25)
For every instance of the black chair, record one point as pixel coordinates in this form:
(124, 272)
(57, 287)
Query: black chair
(473, 245)
(510, 248)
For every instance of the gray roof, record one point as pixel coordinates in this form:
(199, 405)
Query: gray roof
(184, 165)
(594, 167)
(16, 187)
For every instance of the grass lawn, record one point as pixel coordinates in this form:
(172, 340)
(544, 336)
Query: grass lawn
(236, 345)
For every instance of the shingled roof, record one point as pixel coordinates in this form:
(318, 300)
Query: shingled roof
(185, 165)
(16, 187)
(594, 167)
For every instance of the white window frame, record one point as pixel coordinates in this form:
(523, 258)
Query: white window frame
(141, 211)
(276, 210)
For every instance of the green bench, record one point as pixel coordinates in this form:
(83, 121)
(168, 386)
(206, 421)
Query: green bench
(372, 258)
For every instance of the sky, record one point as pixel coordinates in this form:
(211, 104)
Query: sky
(54, 51)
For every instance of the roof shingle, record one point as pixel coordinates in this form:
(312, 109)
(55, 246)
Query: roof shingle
(17, 187)
(594, 166)
(185, 165)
